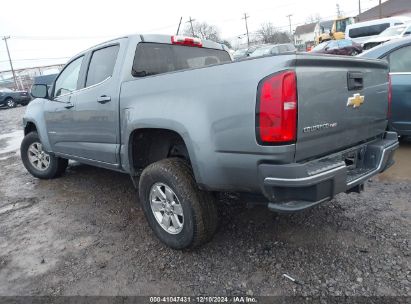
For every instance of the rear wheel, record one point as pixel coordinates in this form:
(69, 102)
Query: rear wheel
(11, 103)
(37, 161)
(180, 214)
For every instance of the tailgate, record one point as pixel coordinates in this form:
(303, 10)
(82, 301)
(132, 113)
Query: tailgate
(342, 101)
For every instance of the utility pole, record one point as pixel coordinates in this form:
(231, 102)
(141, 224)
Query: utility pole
(11, 64)
(289, 21)
(178, 29)
(338, 10)
(380, 8)
(246, 28)
(191, 24)
(359, 7)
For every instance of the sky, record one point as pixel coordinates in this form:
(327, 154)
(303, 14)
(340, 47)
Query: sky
(51, 31)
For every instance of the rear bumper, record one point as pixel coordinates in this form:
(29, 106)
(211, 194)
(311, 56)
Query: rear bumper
(298, 186)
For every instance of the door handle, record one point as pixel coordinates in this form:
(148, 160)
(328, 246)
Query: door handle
(69, 105)
(103, 99)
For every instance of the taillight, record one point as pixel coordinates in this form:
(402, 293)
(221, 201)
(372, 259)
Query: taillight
(188, 41)
(389, 96)
(276, 111)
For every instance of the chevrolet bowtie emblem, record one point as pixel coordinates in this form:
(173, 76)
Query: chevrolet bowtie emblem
(356, 101)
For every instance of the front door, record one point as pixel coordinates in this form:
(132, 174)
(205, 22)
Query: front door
(58, 111)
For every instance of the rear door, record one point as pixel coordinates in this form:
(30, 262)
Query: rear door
(96, 117)
(400, 70)
(342, 101)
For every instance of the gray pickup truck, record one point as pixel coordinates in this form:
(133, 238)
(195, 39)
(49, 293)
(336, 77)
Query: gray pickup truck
(290, 130)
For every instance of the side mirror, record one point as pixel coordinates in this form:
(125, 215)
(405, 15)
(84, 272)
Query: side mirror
(39, 91)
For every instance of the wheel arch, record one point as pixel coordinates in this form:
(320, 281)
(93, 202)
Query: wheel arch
(31, 125)
(158, 143)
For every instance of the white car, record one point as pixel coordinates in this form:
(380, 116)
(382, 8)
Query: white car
(362, 31)
(390, 33)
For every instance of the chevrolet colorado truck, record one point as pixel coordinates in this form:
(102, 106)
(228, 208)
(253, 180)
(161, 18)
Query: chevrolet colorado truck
(186, 122)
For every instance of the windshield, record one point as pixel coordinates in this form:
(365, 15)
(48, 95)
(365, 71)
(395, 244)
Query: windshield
(341, 25)
(240, 52)
(320, 47)
(392, 31)
(261, 51)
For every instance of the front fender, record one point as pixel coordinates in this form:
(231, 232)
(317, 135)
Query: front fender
(35, 114)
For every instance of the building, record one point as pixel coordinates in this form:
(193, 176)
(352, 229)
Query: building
(390, 8)
(304, 36)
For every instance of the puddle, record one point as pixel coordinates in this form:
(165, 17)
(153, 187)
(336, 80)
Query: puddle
(400, 171)
(10, 142)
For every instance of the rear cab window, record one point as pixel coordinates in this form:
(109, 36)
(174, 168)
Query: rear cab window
(400, 60)
(157, 58)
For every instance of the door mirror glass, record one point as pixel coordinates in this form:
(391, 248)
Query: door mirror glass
(39, 91)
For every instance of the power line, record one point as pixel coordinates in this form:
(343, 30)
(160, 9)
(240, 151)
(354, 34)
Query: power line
(36, 59)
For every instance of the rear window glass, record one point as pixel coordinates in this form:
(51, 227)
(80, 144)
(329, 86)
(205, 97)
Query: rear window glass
(370, 30)
(157, 58)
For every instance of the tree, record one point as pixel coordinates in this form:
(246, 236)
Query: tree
(203, 30)
(269, 34)
(313, 18)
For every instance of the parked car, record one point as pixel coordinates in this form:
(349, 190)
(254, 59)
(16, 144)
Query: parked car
(273, 49)
(338, 47)
(390, 33)
(398, 54)
(151, 107)
(11, 99)
(363, 31)
(244, 53)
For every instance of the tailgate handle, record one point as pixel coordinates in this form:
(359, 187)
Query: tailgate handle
(355, 81)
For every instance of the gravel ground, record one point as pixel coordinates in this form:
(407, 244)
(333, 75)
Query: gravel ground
(85, 234)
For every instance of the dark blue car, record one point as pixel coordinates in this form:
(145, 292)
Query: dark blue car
(398, 54)
(10, 98)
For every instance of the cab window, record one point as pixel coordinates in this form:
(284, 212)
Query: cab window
(400, 60)
(102, 64)
(67, 80)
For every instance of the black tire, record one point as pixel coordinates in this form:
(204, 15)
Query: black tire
(11, 103)
(56, 167)
(199, 209)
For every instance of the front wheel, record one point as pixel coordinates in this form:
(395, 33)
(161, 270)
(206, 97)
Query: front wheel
(11, 103)
(37, 161)
(180, 214)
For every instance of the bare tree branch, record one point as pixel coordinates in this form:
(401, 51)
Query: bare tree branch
(203, 30)
(269, 34)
